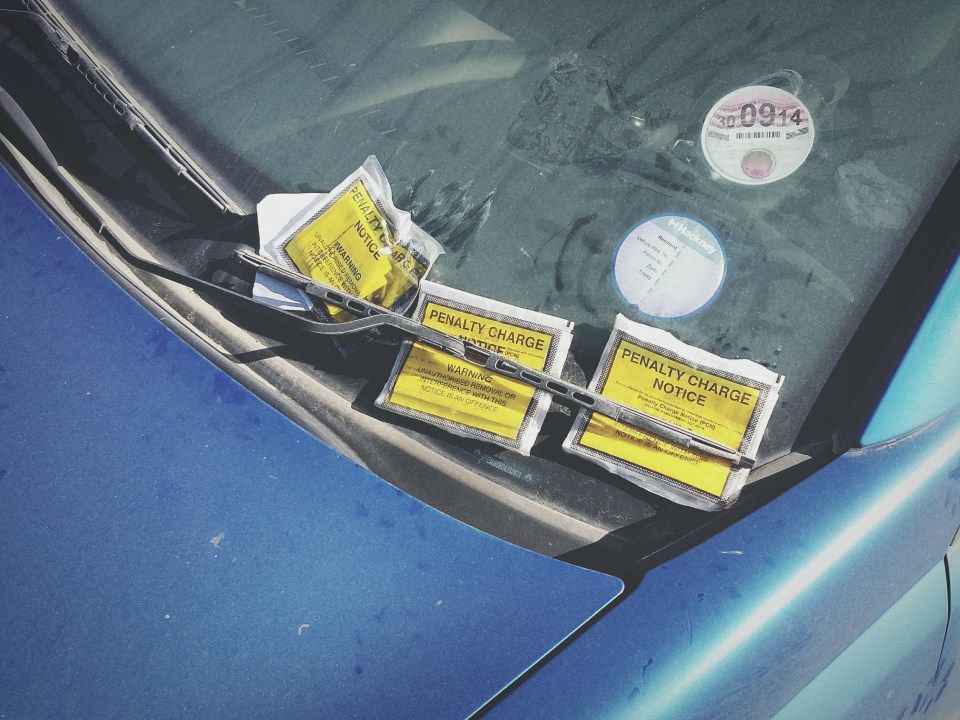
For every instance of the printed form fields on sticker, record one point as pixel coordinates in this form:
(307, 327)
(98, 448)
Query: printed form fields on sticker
(466, 399)
(669, 266)
(757, 135)
(729, 401)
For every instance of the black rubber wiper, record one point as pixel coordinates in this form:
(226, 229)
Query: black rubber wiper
(133, 115)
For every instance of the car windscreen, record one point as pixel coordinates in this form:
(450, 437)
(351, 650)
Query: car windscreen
(535, 141)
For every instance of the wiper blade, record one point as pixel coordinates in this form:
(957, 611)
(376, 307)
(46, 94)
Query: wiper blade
(376, 316)
(122, 102)
(370, 316)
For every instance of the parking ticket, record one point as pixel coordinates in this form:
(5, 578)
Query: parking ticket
(352, 238)
(728, 401)
(466, 399)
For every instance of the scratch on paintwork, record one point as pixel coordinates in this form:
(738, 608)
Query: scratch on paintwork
(731, 552)
(926, 700)
(647, 664)
(301, 628)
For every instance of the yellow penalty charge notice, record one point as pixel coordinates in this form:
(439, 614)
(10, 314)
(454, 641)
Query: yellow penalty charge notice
(355, 240)
(728, 401)
(349, 246)
(467, 399)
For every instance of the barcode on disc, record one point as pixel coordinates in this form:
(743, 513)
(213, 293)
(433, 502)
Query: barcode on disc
(758, 135)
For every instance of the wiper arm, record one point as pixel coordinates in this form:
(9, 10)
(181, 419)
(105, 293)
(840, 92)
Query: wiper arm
(370, 316)
(135, 117)
(376, 316)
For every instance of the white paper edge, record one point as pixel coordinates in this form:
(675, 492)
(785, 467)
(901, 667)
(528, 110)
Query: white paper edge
(275, 214)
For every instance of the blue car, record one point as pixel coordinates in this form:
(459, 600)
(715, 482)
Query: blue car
(204, 511)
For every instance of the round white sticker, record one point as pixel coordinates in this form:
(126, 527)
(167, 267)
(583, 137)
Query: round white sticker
(669, 266)
(757, 135)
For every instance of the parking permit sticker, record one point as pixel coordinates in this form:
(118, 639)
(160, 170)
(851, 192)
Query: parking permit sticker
(729, 401)
(669, 266)
(466, 399)
(757, 135)
(356, 240)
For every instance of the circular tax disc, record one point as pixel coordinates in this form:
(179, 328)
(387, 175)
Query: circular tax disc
(757, 135)
(669, 266)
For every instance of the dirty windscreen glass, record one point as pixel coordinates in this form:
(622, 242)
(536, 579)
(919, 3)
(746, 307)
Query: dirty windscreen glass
(536, 140)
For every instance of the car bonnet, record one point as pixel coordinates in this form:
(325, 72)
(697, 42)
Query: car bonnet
(174, 546)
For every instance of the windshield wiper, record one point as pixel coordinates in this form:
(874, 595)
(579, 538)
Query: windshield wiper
(67, 43)
(371, 315)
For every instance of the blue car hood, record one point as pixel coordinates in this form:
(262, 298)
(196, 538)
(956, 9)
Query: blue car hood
(175, 547)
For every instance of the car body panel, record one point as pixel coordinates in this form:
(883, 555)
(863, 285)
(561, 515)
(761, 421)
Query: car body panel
(927, 382)
(739, 624)
(943, 689)
(175, 547)
(879, 675)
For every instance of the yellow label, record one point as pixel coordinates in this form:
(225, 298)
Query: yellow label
(438, 384)
(686, 396)
(349, 247)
